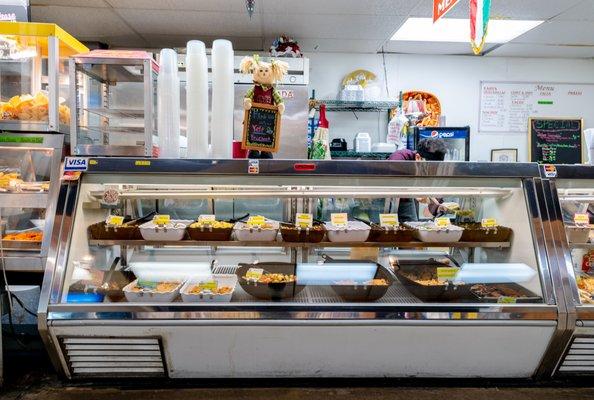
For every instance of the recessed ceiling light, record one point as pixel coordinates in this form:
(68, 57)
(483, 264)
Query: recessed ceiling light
(458, 30)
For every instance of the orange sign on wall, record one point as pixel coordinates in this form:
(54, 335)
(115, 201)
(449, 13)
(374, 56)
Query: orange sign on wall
(441, 7)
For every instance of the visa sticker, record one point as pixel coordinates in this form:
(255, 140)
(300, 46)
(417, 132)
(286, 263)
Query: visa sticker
(76, 164)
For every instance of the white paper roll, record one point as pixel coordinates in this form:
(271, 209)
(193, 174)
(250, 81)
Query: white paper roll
(197, 99)
(168, 103)
(222, 99)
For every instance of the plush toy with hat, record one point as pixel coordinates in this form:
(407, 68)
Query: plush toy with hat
(265, 76)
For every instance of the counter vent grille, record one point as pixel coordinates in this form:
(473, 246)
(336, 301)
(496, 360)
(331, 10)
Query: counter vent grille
(100, 356)
(580, 358)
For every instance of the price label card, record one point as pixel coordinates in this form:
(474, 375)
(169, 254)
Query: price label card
(489, 223)
(339, 219)
(256, 220)
(304, 220)
(211, 285)
(442, 222)
(253, 274)
(114, 220)
(207, 219)
(162, 219)
(141, 283)
(506, 300)
(389, 220)
(581, 219)
(446, 273)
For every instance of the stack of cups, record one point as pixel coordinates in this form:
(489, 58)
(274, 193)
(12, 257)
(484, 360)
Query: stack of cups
(222, 99)
(168, 99)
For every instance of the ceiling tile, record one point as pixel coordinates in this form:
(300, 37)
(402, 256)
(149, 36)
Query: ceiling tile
(445, 48)
(584, 11)
(338, 45)
(541, 50)
(72, 3)
(239, 43)
(191, 22)
(191, 5)
(341, 7)
(560, 32)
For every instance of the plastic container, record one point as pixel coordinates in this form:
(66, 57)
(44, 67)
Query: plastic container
(208, 233)
(222, 281)
(577, 234)
(475, 232)
(294, 234)
(102, 231)
(383, 235)
(518, 293)
(362, 291)
(85, 298)
(150, 296)
(245, 233)
(354, 231)
(171, 232)
(362, 142)
(270, 291)
(450, 234)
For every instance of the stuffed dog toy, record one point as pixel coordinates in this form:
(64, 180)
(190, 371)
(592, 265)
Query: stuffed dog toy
(265, 76)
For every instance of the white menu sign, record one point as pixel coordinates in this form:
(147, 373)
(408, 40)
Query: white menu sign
(506, 106)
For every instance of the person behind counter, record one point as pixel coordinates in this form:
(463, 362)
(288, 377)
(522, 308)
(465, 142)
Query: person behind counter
(430, 149)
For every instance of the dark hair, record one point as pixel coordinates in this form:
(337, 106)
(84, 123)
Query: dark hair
(432, 149)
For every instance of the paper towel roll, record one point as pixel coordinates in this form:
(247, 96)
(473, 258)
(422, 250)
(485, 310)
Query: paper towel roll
(221, 127)
(168, 104)
(197, 99)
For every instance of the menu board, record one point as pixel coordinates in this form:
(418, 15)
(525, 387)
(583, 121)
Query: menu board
(506, 106)
(261, 128)
(556, 140)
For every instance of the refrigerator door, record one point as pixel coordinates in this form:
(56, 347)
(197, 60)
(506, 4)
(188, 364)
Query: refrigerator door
(293, 139)
(457, 140)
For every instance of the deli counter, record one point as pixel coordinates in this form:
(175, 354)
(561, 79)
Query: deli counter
(270, 268)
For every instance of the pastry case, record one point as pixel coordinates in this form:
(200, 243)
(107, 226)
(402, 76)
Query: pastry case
(29, 186)
(574, 186)
(116, 103)
(230, 268)
(34, 78)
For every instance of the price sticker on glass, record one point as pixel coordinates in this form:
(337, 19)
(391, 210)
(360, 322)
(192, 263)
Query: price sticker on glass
(115, 220)
(256, 221)
(339, 219)
(442, 222)
(389, 220)
(162, 219)
(303, 220)
(446, 273)
(254, 274)
(208, 285)
(207, 219)
(489, 223)
(581, 220)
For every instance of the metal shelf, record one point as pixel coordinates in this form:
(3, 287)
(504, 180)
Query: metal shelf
(116, 113)
(581, 245)
(186, 243)
(341, 105)
(24, 200)
(30, 126)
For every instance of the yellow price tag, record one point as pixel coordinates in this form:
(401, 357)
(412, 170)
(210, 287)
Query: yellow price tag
(389, 220)
(446, 273)
(581, 219)
(339, 219)
(253, 274)
(256, 220)
(304, 220)
(115, 220)
(506, 300)
(208, 285)
(489, 223)
(207, 219)
(442, 222)
(93, 162)
(142, 163)
(162, 219)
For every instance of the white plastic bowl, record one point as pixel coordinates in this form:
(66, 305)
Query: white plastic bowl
(152, 231)
(355, 231)
(450, 234)
(245, 233)
(222, 280)
(148, 296)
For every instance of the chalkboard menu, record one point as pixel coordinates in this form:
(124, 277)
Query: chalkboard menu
(555, 140)
(261, 128)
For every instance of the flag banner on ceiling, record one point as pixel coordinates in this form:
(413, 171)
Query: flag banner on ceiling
(480, 11)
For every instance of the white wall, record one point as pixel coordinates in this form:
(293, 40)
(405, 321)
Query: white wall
(454, 80)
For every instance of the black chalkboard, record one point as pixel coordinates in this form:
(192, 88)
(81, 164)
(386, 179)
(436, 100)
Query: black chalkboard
(261, 128)
(556, 140)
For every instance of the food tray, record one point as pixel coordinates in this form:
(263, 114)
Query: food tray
(270, 291)
(446, 291)
(474, 232)
(171, 232)
(102, 231)
(447, 235)
(362, 292)
(207, 233)
(314, 234)
(150, 296)
(355, 231)
(244, 233)
(399, 234)
(529, 297)
(577, 234)
(23, 245)
(221, 279)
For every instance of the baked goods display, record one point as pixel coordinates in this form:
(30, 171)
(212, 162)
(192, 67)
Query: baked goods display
(585, 285)
(31, 108)
(10, 180)
(432, 106)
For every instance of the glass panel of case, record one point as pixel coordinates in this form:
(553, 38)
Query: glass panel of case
(241, 243)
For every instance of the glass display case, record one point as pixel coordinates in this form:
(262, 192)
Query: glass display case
(29, 186)
(202, 265)
(34, 78)
(116, 103)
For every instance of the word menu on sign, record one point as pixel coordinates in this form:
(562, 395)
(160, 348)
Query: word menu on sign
(507, 106)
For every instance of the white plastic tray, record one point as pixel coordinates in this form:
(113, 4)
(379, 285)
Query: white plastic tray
(152, 231)
(243, 233)
(448, 235)
(577, 234)
(149, 296)
(222, 280)
(355, 231)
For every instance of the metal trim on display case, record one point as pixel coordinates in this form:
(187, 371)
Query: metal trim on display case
(569, 171)
(53, 60)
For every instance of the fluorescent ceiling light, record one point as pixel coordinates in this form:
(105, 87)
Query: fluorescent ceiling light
(458, 30)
